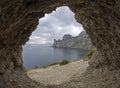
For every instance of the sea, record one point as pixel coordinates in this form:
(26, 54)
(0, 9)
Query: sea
(39, 55)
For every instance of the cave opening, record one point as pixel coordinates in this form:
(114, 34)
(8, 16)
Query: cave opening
(100, 20)
(53, 27)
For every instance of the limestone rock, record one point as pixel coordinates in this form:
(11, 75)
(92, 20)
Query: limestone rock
(81, 41)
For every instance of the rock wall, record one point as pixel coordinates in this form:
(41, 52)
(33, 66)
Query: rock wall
(82, 41)
(19, 18)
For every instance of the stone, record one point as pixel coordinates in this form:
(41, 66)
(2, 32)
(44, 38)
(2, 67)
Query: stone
(82, 41)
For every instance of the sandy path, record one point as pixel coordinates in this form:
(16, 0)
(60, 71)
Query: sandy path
(58, 74)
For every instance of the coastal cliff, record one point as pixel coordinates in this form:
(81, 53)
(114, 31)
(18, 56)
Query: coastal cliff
(68, 41)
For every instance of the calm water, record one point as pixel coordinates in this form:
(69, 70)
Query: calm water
(43, 55)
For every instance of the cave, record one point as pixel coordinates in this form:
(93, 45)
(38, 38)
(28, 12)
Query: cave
(101, 20)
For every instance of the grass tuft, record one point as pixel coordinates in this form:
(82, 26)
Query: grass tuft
(88, 55)
(64, 62)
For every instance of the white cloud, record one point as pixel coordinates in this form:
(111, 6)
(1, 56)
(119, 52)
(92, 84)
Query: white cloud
(75, 30)
(38, 40)
(34, 37)
(55, 25)
(45, 34)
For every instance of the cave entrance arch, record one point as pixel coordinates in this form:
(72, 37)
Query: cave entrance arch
(19, 18)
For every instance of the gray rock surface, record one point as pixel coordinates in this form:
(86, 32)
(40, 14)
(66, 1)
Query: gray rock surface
(81, 41)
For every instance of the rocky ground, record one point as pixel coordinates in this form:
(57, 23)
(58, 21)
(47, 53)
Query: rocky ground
(56, 74)
(76, 75)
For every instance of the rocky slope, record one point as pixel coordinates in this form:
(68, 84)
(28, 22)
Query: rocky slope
(81, 41)
(49, 75)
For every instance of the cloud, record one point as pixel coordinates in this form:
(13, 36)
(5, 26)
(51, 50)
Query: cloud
(55, 25)
(38, 40)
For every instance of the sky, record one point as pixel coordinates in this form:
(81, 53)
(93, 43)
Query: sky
(54, 26)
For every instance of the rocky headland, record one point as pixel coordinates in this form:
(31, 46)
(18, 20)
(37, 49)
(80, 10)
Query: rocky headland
(81, 41)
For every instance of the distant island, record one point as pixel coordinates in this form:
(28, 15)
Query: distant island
(81, 41)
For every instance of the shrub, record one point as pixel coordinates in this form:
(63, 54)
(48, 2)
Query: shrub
(53, 64)
(89, 54)
(64, 62)
(36, 67)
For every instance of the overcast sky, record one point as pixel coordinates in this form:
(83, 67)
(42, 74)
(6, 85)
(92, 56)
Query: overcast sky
(54, 26)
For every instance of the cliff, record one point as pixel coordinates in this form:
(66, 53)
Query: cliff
(81, 41)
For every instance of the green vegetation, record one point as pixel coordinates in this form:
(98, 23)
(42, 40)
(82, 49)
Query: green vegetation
(88, 55)
(36, 67)
(64, 62)
(53, 64)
